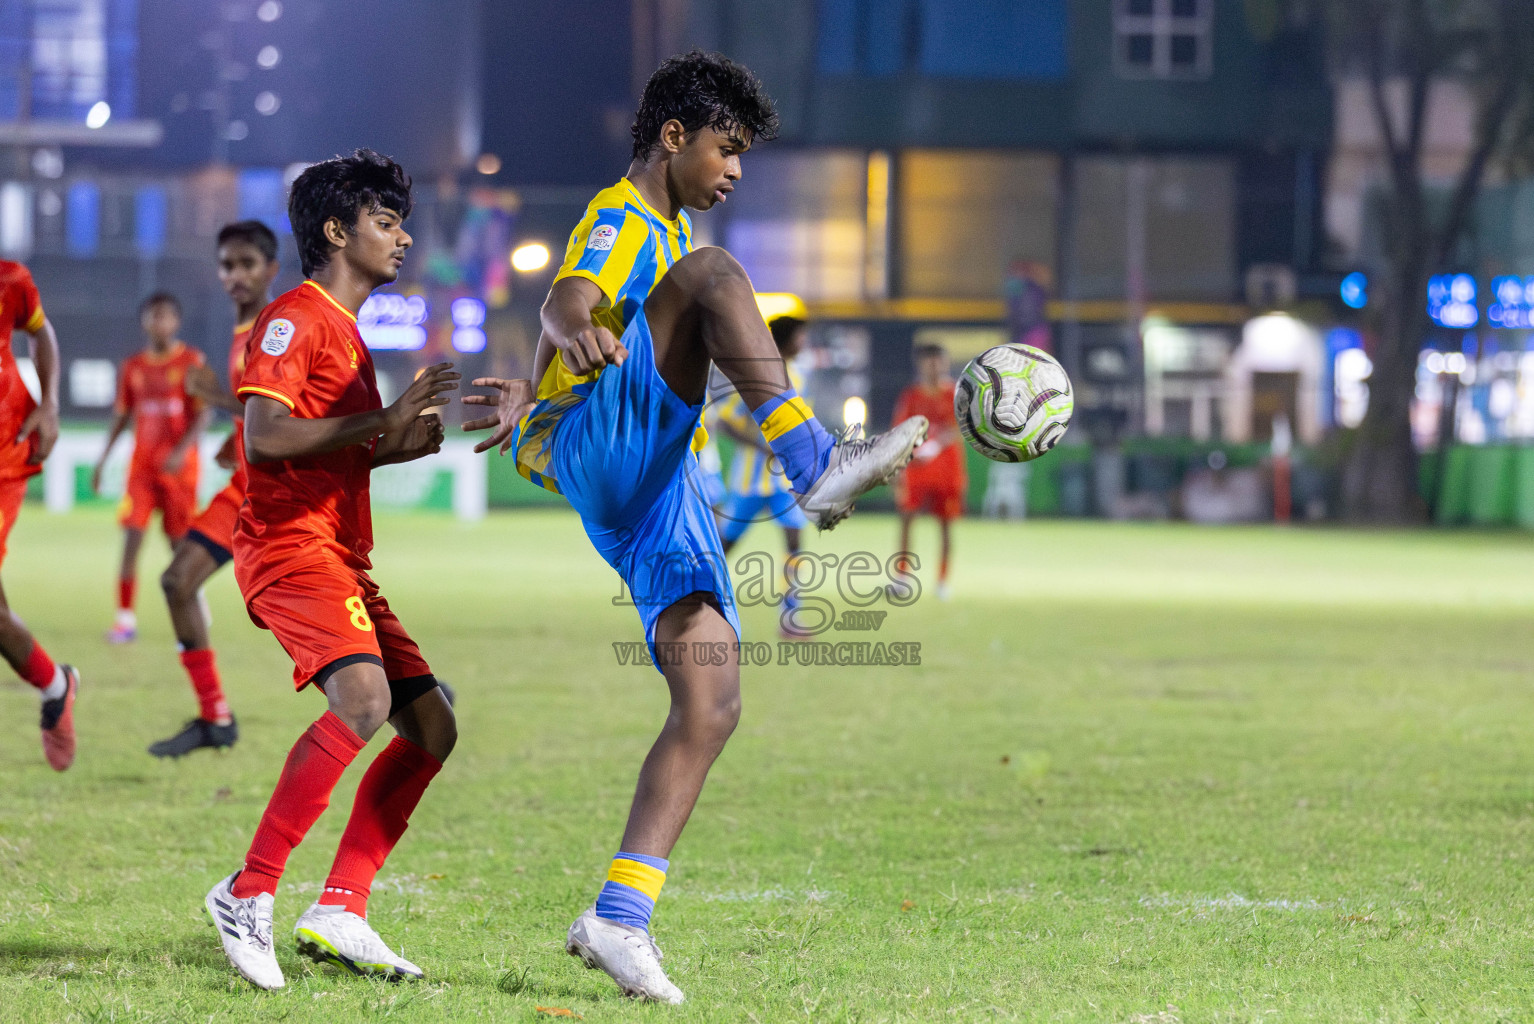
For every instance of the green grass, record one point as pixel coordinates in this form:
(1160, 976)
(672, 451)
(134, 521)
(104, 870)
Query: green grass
(1143, 773)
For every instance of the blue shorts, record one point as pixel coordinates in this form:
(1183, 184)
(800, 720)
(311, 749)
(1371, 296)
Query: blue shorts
(738, 511)
(624, 460)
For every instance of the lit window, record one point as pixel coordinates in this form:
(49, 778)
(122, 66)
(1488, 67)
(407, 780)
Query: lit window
(1163, 38)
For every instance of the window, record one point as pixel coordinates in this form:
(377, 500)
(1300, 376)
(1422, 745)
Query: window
(1020, 40)
(1189, 206)
(966, 215)
(73, 55)
(69, 56)
(799, 223)
(1163, 38)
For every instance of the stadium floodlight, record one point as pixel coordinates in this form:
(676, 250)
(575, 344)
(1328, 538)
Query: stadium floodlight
(530, 257)
(98, 115)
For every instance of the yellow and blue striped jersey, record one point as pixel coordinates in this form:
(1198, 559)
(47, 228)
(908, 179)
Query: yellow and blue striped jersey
(752, 469)
(623, 246)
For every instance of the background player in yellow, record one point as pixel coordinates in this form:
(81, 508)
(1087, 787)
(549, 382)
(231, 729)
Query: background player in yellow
(755, 488)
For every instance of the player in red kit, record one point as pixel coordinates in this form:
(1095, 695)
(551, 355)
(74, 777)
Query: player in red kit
(28, 430)
(934, 481)
(314, 428)
(247, 265)
(167, 422)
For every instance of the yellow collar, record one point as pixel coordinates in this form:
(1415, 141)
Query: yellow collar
(331, 299)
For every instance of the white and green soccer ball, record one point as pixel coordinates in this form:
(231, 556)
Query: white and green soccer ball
(1013, 403)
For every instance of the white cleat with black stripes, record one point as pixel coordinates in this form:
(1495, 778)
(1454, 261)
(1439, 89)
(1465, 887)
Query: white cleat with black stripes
(245, 929)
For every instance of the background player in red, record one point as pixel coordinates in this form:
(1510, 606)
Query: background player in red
(247, 265)
(28, 430)
(167, 422)
(314, 428)
(934, 481)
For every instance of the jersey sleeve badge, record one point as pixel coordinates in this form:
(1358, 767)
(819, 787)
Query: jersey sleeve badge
(279, 334)
(603, 237)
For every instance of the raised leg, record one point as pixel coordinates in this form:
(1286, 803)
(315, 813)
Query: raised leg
(704, 309)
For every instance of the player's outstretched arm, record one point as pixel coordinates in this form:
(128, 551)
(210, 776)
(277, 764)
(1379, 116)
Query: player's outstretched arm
(421, 438)
(202, 383)
(176, 458)
(566, 318)
(512, 401)
(273, 433)
(44, 420)
(119, 424)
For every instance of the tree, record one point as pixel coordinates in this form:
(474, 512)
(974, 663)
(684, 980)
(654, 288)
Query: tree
(1403, 46)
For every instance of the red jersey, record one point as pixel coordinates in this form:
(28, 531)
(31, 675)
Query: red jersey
(20, 310)
(937, 405)
(152, 389)
(306, 353)
(236, 372)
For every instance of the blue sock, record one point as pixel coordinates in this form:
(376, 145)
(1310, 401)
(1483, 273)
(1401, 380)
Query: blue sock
(795, 437)
(632, 887)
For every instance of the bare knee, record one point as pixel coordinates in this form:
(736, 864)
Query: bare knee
(441, 743)
(177, 584)
(429, 723)
(710, 269)
(363, 709)
(709, 723)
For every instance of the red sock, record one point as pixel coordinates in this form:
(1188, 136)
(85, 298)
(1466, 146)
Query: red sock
(126, 589)
(942, 570)
(389, 792)
(313, 768)
(204, 674)
(40, 669)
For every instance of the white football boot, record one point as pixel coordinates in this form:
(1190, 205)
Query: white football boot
(245, 928)
(629, 955)
(334, 935)
(857, 466)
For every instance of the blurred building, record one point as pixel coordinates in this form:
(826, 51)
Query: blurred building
(1126, 182)
(131, 131)
(1147, 167)
(1476, 375)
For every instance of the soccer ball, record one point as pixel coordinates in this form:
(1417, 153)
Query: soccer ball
(1013, 403)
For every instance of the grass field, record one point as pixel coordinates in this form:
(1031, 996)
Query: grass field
(1142, 774)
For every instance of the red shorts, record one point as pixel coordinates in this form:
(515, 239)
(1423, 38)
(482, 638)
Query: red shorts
(214, 525)
(11, 494)
(174, 494)
(941, 496)
(325, 612)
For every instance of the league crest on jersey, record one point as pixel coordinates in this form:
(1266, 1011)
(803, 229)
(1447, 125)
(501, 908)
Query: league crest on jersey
(603, 237)
(279, 333)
